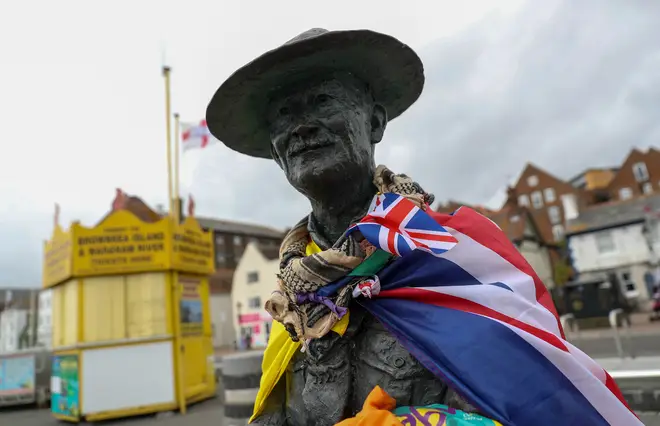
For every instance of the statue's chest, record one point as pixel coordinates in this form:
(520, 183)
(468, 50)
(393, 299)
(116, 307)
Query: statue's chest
(333, 379)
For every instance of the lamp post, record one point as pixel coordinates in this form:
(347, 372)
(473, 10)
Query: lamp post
(649, 232)
(239, 305)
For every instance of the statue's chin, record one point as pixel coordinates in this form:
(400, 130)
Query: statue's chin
(320, 179)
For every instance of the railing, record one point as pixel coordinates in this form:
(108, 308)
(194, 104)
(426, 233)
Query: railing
(614, 314)
(569, 319)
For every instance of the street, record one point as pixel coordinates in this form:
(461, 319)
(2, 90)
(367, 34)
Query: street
(604, 347)
(205, 413)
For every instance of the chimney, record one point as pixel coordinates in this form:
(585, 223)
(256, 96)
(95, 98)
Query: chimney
(511, 198)
(570, 205)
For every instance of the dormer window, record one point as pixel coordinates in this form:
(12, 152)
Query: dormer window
(537, 199)
(647, 188)
(549, 195)
(625, 194)
(640, 172)
(532, 181)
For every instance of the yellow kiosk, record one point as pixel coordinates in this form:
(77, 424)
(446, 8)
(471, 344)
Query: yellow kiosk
(131, 322)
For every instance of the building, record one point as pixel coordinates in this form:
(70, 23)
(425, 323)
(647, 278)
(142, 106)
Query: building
(619, 237)
(451, 206)
(19, 298)
(594, 178)
(541, 193)
(231, 242)
(595, 182)
(222, 318)
(638, 175)
(518, 225)
(45, 318)
(16, 331)
(254, 281)
(231, 239)
(14, 328)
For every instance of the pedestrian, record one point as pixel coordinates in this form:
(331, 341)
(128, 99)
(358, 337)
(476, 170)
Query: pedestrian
(655, 307)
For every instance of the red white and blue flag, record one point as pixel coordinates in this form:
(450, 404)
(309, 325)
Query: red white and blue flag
(476, 315)
(398, 226)
(196, 136)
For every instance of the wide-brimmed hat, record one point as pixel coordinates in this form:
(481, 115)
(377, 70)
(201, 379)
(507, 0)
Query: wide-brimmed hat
(237, 113)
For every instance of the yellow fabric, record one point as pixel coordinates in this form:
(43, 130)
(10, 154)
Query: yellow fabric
(280, 351)
(312, 248)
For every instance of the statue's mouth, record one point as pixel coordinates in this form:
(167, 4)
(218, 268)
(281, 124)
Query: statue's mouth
(304, 148)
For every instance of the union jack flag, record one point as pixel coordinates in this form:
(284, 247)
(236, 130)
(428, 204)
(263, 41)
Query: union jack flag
(400, 227)
(480, 318)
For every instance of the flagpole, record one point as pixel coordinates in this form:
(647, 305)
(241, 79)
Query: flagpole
(168, 115)
(177, 147)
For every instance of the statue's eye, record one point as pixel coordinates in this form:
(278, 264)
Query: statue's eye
(284, 111)
(321, 99)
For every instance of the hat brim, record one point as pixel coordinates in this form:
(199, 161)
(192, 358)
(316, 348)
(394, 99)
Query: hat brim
(236, 114)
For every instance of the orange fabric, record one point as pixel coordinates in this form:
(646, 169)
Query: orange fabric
(376, 411)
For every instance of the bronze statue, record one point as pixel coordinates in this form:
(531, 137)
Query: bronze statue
(318, 106)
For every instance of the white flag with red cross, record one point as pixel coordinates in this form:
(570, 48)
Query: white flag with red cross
(196, 136)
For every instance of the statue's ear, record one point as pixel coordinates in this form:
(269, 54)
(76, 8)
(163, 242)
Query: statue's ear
(378, 123)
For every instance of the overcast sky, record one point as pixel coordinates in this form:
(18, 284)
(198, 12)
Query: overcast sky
(565, 84)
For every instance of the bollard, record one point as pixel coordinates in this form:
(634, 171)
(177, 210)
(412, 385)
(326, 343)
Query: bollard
(241, 373)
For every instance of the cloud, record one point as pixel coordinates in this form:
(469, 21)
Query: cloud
(563, 84)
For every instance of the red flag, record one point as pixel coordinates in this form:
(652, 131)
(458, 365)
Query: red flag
(196, 136)
(120, 200)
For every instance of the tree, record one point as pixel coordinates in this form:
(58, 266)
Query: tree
(563, 271)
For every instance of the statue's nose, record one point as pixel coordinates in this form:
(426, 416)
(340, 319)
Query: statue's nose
(305, 131)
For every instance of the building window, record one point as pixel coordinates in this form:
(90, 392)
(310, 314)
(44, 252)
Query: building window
(625, 193)
(558, 232)
(628, 283)
(220, 259)
(640, 172)
(554, 214)
(238, 240)
(252, 277)
(254, 302)
(549, 194)
(647, 188)
(523, 201)
(537, 199)
(532, 181)
(605, 242)
(220, 241)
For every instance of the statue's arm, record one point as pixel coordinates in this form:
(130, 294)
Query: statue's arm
(274, 412)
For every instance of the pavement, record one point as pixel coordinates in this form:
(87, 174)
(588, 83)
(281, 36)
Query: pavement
(642, 339)
(599, 344)
(205, 413)
(208, 413)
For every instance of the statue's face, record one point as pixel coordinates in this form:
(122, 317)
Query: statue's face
(323, 132)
